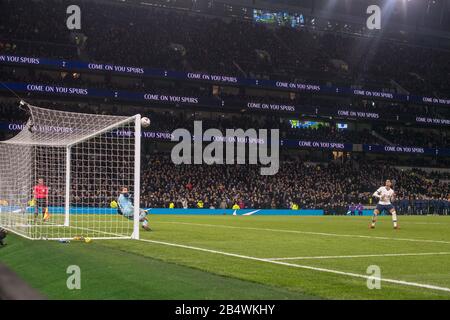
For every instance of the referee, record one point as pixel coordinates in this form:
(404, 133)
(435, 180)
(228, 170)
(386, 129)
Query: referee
(40, 194)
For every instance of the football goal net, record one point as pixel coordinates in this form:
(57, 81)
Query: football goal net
(61, 172)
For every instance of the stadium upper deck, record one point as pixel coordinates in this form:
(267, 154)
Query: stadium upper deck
(151, 37)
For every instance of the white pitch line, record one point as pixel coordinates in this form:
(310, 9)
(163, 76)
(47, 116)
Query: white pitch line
(307, 232)
(363, 256)
(350, 274)
(434, 223)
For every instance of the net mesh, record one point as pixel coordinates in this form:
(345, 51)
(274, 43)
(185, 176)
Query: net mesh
(82, 161)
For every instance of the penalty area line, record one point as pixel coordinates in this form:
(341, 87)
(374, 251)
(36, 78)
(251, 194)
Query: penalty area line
(363, 256)
(349, 274)
(325, 234)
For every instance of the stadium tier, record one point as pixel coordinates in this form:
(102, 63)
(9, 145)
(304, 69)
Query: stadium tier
(337, 178)
(118, 34)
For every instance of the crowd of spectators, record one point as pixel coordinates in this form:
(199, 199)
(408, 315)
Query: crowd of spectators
(332, 186)
(410, 137)
(330, 134)
(154, 37)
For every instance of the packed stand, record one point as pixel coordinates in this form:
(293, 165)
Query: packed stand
(132, 35)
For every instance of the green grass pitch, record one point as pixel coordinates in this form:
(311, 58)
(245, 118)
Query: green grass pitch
(252, 257)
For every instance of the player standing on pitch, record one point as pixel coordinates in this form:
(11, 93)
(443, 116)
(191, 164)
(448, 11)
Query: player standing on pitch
(40, 195)
(385, 195)
(126, 208)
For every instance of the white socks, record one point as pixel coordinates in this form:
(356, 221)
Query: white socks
(394, 219)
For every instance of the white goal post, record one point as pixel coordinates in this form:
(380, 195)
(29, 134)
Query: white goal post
(61, 175)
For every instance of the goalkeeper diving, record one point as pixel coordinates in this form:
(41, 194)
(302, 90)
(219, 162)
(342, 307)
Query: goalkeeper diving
(125, 207)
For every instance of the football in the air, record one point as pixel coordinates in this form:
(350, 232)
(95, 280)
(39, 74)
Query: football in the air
(145, 122)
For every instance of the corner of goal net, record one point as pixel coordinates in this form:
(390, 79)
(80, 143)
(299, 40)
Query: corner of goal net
(135, 235)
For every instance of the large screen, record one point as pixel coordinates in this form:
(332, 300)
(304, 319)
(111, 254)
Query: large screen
(278, 18)
(307, 124)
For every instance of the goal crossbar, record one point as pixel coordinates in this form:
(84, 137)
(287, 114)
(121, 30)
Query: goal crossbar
(109, 128)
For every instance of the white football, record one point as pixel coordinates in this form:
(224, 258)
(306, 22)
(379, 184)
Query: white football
(145, 122)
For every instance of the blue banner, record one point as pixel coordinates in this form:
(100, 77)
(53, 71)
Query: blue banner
(399, 149)
(316, 145)
(273, 107)
(179, 211)
(240, 212)
(442, 152)
(285, 143)
(112, 94)
(219, 79)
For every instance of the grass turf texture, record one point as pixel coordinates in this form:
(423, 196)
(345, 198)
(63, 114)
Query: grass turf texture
(139, 269)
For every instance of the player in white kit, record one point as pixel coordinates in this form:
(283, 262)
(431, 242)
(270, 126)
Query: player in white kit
(385, 195)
